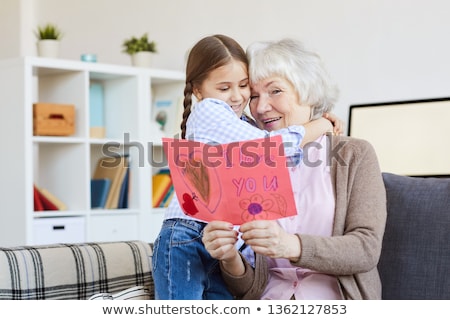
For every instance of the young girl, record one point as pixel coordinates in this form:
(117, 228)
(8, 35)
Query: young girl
(217, 75)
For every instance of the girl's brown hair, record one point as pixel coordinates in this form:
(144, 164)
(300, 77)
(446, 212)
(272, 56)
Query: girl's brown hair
(208, 54)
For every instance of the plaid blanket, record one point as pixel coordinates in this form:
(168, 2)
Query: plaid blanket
(74, 271)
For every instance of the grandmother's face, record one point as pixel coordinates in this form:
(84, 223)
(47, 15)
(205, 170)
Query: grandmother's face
(275, 105)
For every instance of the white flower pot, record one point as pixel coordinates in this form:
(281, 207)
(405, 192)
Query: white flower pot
(142, 59)
(48, 48)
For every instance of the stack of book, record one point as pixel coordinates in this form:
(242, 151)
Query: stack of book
(45, 200)
(162, 191)
(110, 183)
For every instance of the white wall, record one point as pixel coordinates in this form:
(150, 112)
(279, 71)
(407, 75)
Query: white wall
(9, 28)
(378, 50)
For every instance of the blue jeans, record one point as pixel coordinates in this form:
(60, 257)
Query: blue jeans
(182, 268)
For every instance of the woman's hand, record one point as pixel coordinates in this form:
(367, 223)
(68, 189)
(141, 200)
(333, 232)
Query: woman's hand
(266, 237)
(338, 124)
(219, 239)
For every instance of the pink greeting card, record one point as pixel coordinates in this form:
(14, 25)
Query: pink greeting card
(235, 182)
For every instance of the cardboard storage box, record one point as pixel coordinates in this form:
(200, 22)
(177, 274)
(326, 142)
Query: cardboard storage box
(51, 119)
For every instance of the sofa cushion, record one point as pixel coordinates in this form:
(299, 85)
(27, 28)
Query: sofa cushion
(74, 271)
(415, 258)
(135, 293)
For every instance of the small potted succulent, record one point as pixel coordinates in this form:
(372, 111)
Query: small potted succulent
(140, 50)
(49, 36)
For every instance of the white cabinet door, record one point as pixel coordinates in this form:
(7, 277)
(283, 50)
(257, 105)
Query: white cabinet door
(113, 228)
(58, 230)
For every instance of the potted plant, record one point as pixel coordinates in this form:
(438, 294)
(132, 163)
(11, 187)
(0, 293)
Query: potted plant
(140, 50)
(48, 37)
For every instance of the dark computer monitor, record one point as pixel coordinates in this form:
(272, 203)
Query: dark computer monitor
(410, 137)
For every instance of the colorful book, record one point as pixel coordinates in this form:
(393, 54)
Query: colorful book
(124, 191)
(164, 170)
(54, 199)
(38, 206)
(96, 110)
(113, 168)
(115, 189)
(161, 185)
(167, 198)
(99, 192)
(44, 201)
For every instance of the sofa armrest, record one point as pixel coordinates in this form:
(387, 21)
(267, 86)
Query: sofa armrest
(74, 271)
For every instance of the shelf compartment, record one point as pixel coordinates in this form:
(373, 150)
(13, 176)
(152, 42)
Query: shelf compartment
(61, 169)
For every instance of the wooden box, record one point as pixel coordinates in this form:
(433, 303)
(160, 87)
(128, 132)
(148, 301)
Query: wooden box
(51, 119)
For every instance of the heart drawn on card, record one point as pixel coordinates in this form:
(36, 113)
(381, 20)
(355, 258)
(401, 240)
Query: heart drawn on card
(189, 205)
(202, 182)
(197, 174)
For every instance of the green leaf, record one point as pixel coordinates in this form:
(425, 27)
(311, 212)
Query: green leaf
(133, 45)
(48, 31)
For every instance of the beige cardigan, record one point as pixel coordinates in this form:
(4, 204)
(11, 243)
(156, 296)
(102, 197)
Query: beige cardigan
(352, 253)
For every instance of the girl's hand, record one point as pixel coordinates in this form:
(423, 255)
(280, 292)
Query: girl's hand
(338, 124)
(266, 237)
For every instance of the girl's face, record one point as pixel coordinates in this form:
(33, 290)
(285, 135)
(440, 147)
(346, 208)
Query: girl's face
(228, 83)
(274, 104)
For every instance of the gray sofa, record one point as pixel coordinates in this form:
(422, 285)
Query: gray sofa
(414, 263)
(415, 258)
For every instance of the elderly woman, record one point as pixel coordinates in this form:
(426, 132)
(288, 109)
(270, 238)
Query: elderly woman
(330, 249)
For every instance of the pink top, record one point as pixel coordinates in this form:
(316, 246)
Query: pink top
(313, 191)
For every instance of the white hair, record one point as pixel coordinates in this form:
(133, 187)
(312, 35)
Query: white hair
(304, 69)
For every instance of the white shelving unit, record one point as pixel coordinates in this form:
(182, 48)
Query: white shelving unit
(65, 165)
